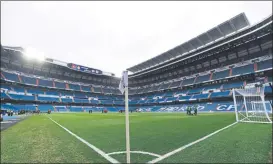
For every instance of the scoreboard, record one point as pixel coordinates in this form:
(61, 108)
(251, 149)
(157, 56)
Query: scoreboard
(84, 69)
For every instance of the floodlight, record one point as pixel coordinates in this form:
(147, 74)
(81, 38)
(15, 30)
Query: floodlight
(31, 53)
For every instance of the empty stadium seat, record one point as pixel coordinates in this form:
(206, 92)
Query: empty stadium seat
(264, 64)
(11, 76)
(48, 99)
(35, 91)
(86, 88)
(59, 85)
(188, 81)
(45, 107)
(220, 75)
(21, 97)
(196, 90)
(202, 78)
(200, 96)
(4, 96)
(67, 100)
(28, 80)
(45, 83)
(220, 94)
(52, 93)
(19, 89)
(243, 70)
(233, 85)
(77, 100)
(76, 87)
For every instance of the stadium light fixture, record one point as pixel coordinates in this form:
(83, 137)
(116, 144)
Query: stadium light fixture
(31, 53)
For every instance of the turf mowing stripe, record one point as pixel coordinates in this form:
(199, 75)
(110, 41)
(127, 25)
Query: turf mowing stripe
(103, 154)
(136, 152)
(190, 144)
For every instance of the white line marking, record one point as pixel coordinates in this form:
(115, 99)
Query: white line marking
(136, 152)
(103, 154)
(188, 145)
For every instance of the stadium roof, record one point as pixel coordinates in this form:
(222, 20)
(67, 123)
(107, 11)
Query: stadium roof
(228, 27)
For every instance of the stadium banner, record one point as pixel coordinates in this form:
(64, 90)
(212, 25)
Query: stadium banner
(84, 69)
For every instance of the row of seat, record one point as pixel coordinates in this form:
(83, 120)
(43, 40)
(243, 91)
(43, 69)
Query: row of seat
(251, 68)
(201, 107)
(167, 97)
(55, 84)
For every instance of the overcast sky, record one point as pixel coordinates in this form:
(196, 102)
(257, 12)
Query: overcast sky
(113, 36)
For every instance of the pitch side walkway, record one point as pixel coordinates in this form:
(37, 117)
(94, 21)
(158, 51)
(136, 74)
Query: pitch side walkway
(9, 121)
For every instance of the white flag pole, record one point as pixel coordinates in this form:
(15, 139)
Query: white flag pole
(127, 125)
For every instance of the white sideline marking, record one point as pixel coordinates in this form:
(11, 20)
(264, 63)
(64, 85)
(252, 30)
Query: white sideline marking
(103, 154)
(188, 145)
(136, 152)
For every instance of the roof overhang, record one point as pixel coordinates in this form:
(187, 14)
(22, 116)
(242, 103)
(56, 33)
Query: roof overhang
(226, 28)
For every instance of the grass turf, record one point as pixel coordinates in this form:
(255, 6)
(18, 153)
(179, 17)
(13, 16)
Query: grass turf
(158, 133)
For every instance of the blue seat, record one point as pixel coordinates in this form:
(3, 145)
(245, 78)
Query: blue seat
(233, 85)
(220, 94)
(200, 96)
(86, 88)
(4, 96)
(45, 83)
(76, 100)
(11, 76)
(202, 78)
(18, 89)
(28, 80)
(75, 87)
(35, 91)
(48, 99)
(184, 98)
(220, 75)
(22, 97)
(243, 70)
(196, 90)
(188, 81)
(66, 100)
(45, 107)
(52, 93)
(5, 86)
(171, 99)
(264, 64)
(213, 86)
(59, 85)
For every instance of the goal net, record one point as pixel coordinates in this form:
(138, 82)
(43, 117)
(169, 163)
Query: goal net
(250, 105)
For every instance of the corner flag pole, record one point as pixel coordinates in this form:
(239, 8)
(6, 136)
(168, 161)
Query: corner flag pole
(123, 86)
(127, 125)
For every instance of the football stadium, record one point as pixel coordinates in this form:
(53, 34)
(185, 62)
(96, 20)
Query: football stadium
(207, 100)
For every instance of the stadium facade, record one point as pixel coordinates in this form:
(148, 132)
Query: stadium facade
(202, 72)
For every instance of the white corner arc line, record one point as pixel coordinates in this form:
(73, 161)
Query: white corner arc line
(188, 145)
(136, 152)
(103, 154)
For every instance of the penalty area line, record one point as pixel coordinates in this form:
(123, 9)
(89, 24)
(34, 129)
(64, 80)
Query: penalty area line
(103, 154)
(188, 145)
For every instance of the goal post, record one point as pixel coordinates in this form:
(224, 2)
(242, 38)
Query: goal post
(250, 105)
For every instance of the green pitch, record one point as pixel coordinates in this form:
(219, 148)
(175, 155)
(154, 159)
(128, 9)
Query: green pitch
(39, 139)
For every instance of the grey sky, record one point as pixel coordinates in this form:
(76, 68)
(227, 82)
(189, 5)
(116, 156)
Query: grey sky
(113, 36)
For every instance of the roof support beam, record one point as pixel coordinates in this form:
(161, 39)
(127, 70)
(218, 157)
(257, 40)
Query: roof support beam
(232, 26)
(220, 31)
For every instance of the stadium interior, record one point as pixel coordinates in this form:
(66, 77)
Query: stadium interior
(202, 71)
